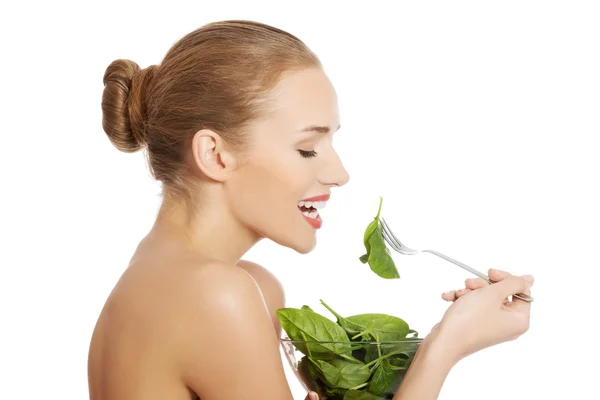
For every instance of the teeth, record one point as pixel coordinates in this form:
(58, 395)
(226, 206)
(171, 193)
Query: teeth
(313, 214)
(319, 204)
(314, 204)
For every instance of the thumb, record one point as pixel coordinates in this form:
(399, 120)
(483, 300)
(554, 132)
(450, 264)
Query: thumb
(513, 285)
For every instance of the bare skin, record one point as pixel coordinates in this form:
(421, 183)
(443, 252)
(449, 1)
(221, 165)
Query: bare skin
(146, 309)
(188, 318)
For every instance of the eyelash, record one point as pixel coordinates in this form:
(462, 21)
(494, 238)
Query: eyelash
(307, 154)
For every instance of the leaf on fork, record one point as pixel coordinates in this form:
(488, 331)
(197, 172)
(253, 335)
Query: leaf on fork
(378, 255)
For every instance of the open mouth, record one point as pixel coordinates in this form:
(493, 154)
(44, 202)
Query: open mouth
(310, 209)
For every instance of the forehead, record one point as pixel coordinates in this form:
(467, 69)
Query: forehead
(303, 98)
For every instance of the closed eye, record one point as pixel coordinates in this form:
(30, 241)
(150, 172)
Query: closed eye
(307, 153)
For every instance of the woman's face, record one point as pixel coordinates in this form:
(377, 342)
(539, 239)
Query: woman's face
(291, 160)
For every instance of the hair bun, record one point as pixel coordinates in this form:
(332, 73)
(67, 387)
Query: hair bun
(123, 108)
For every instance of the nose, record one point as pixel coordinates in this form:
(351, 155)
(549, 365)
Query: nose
(333, 172)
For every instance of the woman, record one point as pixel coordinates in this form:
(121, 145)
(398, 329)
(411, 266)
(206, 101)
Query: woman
(238, 122)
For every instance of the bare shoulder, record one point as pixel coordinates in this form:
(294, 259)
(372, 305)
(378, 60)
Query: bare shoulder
(227, 331)
(213, 287)
(191, 321)
(270, 287)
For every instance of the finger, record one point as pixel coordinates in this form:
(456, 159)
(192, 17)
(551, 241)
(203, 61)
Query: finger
(312, 396)
(475, 283)
(498, 275)
(449, 296)
(522, 304)
(513, 285)
(462, 292)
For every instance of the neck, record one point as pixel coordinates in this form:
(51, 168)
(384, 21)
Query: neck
(212, 232)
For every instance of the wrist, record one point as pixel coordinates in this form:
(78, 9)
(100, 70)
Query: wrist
(440, 346)
(428, 370)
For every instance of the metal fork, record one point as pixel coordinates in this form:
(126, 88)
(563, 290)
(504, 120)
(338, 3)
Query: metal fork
(396, 245)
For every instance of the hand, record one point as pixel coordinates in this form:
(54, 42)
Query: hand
(312, 396)
(482, 315)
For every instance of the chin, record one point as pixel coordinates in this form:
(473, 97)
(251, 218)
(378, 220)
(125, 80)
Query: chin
(302, 242)
(305, 247)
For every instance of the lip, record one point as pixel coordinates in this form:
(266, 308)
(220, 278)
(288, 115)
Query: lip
(315, 223)
(322, 197)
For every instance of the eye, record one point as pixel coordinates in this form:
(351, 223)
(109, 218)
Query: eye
(307, 153)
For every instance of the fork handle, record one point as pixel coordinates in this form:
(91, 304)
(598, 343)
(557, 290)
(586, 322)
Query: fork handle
(483, 276)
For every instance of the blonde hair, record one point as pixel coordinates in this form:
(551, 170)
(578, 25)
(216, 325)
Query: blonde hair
(217, 77)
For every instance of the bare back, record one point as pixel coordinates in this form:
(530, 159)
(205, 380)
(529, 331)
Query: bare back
(135, 352)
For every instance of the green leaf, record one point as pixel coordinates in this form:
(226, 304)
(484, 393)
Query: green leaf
(378, 256)
(383, 379)
(310, 326)
(309, 374)
(351, 328)
(341, 373)
(371, 354)
(380, 260)
(333, 394)
(399, 362)
(360, 395)
(305, 307)
(370, 230)
(388, 327)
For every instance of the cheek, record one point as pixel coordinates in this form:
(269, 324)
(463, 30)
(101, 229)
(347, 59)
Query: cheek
(264, 194)
(275, 180)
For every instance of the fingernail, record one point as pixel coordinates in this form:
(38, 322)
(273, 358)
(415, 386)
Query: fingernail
(313, 396)
(528, 278)
(493, 270)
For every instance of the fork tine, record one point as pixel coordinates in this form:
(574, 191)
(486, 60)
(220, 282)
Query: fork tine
(391, 235)
(390, 241)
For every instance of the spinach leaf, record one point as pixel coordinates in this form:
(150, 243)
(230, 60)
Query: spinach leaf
(383, 379)
(378, 256)
(389, 328)
(309, 374)
(334, 394)
(369, 232)
(341, 373)
(360, 395)
(351, 328)
(309, 326)
(380, 260)
(399, 362)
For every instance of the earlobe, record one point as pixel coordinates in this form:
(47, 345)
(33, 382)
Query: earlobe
(210, 155)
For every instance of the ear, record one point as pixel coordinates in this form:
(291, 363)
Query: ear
(212, 156)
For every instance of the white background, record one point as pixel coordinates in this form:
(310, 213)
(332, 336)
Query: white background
(477, 121)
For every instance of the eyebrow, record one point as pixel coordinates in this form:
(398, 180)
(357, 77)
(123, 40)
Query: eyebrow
(319, 129)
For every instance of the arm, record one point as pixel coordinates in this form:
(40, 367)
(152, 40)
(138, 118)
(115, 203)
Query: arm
(226, 348)
(481, 316)
(427, 372)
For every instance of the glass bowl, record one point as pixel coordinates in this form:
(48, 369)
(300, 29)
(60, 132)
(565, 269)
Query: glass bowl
(350, 370)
